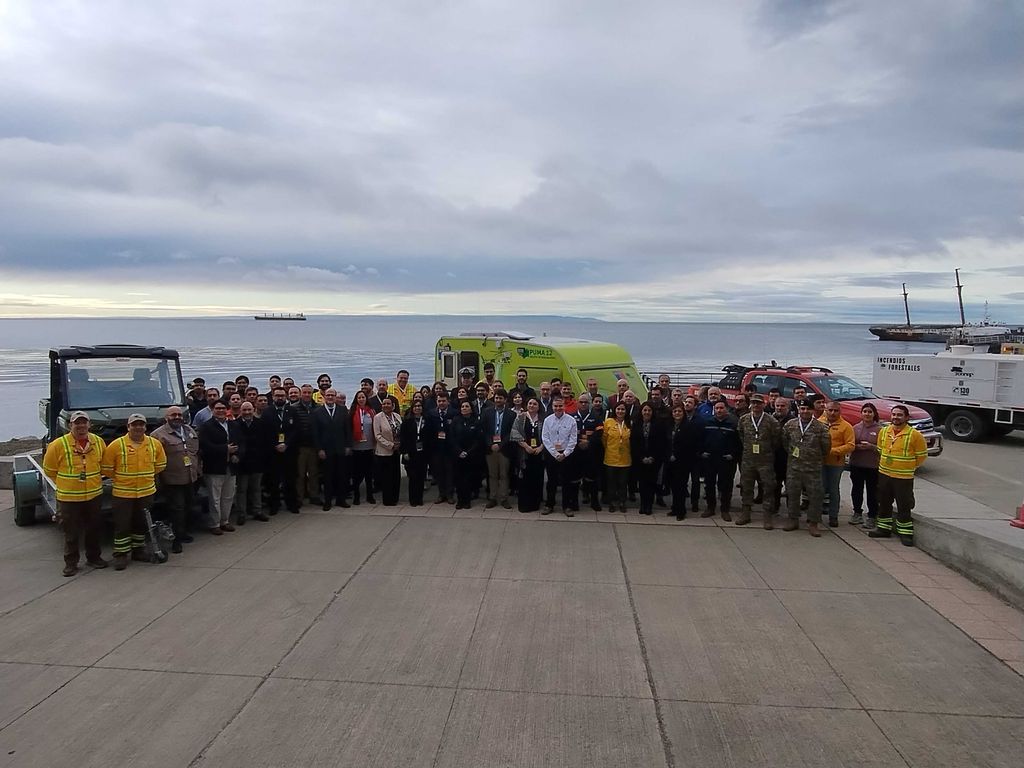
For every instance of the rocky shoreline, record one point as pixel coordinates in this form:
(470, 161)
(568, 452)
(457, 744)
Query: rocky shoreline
(20, 445)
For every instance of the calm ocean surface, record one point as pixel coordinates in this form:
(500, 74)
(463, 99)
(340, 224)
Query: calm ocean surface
(349, 348)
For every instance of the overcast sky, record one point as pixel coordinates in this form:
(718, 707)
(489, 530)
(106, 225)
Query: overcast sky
(741, 160)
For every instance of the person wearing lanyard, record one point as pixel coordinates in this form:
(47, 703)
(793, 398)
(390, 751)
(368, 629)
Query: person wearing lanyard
(417, 446)
(72, 462)
(760, 435)
(807, 443)
(387, 428)
(526, 434)
(498, 422)
(439, 422)
(279, 423)
(617, 461)
(648, 447)
(589, 426)
(559, 435)
(177, 481)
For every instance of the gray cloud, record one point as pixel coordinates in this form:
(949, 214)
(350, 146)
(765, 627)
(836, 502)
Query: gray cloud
(452, 149)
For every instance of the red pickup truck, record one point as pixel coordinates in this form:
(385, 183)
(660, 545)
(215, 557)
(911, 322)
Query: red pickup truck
(850, 395)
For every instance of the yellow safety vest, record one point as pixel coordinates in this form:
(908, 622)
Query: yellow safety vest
(76, 475)
(901, 454)
(133, 468)
(404, 398)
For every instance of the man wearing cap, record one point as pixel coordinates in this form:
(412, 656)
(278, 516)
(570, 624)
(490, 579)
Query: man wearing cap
(72, 462)
(181, 446)
(760, 434)
(807, 443)
(132, 462)
(466, 376)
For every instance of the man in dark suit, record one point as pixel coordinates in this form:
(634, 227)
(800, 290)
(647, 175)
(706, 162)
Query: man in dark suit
(258, 444)
(376, 402)
(332, 429)
(496, 423)
(439, 422)
(621, 386)
(279, 419)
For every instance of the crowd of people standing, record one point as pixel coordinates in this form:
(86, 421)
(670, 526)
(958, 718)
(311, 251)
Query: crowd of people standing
(258, 453)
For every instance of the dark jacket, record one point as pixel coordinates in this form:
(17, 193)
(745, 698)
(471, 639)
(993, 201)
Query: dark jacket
(442, 426)
(487, 424)
(722, 438)
(332, 435)
(213, 447)
(281, 423)
(465, 435)
(258, 441)
(590, 425)
(417, 440)
(305, 436)
(687, 442)
(652, 446)
(527, 392)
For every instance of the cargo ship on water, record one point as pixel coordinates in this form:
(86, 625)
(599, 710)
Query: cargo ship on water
(280, 316)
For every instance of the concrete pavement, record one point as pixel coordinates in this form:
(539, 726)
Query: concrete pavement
(418, 637)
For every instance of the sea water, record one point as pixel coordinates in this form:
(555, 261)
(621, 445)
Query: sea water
(349, 348)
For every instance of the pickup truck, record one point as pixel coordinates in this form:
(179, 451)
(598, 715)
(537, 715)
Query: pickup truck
(822, 382)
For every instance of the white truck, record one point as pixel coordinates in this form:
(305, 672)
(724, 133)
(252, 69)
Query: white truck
(973, 393)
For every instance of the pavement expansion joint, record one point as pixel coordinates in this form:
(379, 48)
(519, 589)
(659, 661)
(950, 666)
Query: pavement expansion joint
(263, 679)
(666, 742)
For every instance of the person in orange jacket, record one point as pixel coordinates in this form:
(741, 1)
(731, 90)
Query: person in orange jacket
(843, 443)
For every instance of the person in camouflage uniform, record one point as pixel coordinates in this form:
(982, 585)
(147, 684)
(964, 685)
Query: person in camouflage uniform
(761, 434)
(807, 443)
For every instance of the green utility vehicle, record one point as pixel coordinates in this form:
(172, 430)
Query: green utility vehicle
(572, 360)
(109, 382)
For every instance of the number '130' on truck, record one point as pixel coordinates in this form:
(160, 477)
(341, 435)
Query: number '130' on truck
(974, 394)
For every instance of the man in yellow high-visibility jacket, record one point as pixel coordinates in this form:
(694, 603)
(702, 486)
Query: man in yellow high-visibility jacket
(132, 462)
(903, 450)
(402, 391)
(72, 462)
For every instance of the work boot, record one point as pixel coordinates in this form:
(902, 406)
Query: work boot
(812, 528)
(906, 541)
(791, 524)
(120, 562)
(726, 515)
(878, 533)
(768, 522)
(743, 518)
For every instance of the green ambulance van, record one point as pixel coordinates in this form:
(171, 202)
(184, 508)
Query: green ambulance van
(544, 357)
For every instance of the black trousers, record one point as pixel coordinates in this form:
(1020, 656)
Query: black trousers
(531, 484)
(684, 477)
(562, 474)
(719, 475)
(466, 479)
(362, 472)
(281, 472)
(416, 470)
(389, 477)
(178, 501)
(865, 479)
(647, 481)
(334, 473)
(441, 465)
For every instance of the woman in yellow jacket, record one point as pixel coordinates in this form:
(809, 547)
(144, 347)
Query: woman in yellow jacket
(615, 437)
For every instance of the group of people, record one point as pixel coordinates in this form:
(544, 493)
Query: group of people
(257, 453)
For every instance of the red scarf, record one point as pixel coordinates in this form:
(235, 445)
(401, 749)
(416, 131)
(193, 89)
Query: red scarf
(357, 421)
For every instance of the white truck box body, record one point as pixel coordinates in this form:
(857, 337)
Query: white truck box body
(952, 377)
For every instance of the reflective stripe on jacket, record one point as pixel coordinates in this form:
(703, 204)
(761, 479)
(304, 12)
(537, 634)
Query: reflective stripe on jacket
(65, 465)
(133, 468)
(901, 454)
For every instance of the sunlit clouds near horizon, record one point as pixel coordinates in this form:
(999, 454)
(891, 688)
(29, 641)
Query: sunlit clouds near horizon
(778, 160)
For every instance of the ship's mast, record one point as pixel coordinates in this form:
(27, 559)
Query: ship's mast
(960, 297)
(906, 306)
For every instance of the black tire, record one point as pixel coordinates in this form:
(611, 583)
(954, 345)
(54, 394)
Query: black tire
(25, 515)
(966, 426)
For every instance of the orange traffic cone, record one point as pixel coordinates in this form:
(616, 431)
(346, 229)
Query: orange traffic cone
(1019, 522)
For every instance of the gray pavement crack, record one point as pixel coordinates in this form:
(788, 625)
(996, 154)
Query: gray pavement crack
(666, 742)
